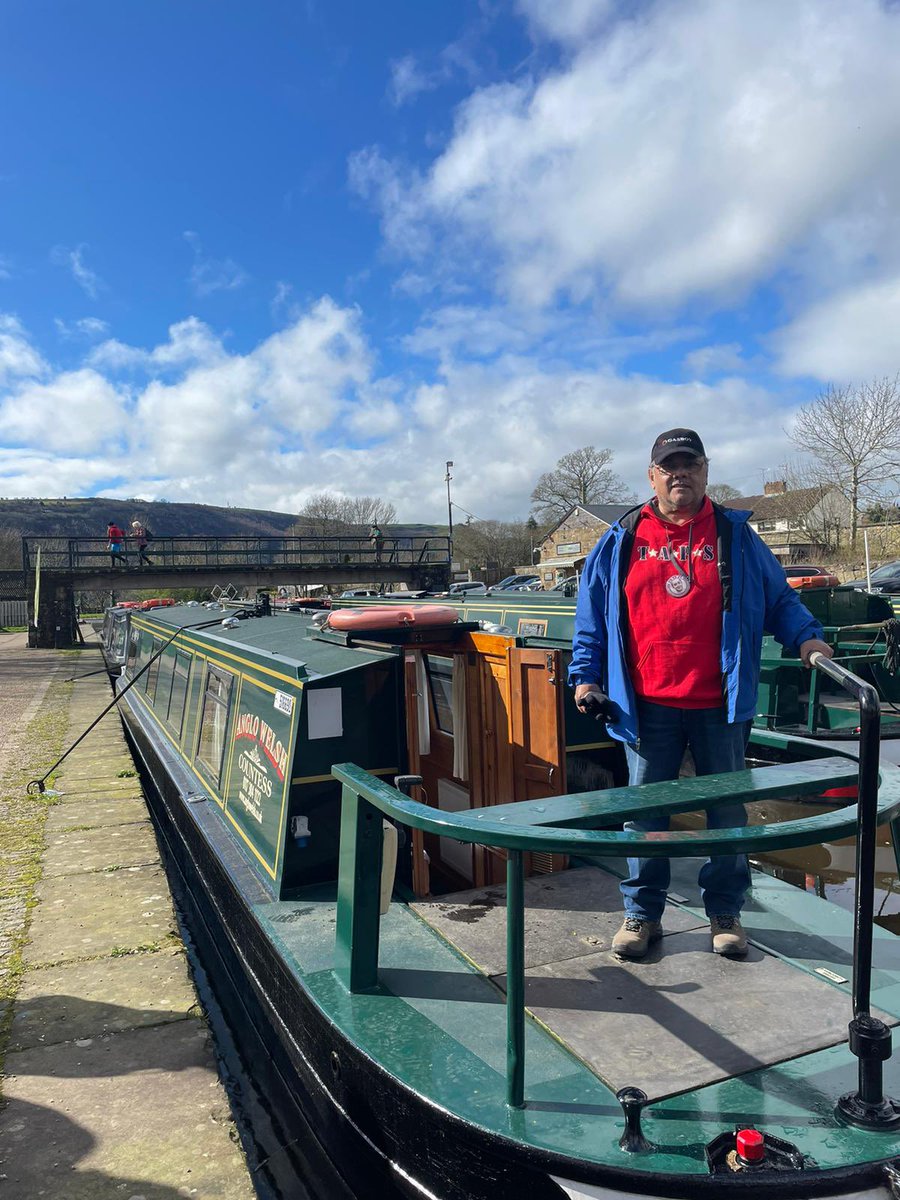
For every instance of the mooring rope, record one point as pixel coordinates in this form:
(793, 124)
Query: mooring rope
(39, 785)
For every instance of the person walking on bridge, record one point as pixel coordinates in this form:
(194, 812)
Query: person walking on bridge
(115, 544)
(376, 541)
(141, 535)
(668, 639)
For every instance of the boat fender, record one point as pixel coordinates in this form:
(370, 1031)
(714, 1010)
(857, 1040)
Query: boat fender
(388, 865)
(300, 831)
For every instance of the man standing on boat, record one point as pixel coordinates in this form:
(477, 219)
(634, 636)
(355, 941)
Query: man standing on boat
(668, 638)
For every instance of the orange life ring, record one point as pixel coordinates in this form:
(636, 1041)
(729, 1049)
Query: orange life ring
(810, 581)
(391, 616)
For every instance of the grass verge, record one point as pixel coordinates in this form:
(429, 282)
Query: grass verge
(22, 819)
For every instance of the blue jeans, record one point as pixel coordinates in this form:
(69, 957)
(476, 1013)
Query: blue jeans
(716, 747)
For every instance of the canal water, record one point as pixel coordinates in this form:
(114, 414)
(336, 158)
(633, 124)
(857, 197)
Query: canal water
(828, 870)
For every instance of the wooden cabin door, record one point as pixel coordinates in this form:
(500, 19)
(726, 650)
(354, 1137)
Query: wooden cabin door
(537, 729)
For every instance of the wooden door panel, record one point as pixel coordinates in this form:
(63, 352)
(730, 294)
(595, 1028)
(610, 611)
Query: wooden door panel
(536, 712)
(537, 727)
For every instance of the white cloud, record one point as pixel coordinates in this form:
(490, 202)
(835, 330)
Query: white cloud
(209, 275)
(710, 360)
(566, 20)
(684, 154)
(18, 357)
(84, 327)
(74, 413)
(89, 281)
(407, 80)
(6, 271)
(305, 410)
(190, 341)
(849, 336)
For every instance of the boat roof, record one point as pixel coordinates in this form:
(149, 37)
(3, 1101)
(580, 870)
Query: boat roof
(283, 636)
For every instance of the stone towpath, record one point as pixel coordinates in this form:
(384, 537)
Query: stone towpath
(109, 1081)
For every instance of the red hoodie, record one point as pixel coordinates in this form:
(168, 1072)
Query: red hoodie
(674, 641)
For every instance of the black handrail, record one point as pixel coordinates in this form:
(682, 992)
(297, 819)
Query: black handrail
(870, 1038)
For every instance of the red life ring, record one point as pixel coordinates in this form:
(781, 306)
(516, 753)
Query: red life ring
(391, 616)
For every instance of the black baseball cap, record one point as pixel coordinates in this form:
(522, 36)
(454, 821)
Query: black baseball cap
(676, 441)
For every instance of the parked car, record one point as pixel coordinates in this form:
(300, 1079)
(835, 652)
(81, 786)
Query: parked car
(801, 575)
(358, 594)
(473, 588)
(512, 583)
(567, 587)
(884, 579)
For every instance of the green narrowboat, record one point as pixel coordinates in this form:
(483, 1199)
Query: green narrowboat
(457, 1027)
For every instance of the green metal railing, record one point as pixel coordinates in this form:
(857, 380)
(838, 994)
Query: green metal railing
(846, 653)
(573, 825)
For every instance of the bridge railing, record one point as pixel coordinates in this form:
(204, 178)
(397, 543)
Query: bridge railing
(91, 554)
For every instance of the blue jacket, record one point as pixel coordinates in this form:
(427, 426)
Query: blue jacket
(755, 597)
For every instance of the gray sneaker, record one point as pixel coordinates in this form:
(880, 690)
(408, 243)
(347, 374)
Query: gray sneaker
(635, 936)
(728, 936)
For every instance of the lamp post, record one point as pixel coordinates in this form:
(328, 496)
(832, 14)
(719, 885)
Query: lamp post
(447, 479)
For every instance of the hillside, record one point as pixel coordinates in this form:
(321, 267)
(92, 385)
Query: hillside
(88, 517)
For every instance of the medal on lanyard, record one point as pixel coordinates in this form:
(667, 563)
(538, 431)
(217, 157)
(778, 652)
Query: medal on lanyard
(680, 584)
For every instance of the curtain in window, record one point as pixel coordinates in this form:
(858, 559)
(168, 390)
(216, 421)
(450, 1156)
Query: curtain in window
(460, 728)
(422, 711)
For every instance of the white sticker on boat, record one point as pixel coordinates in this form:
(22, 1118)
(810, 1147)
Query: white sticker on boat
(284, 703)
(325, 714)
(832, 975)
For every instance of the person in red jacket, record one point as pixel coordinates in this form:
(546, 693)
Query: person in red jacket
(115, 544)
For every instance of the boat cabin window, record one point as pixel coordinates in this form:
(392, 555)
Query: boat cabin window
(133, 644)
(149, 681)
(117, 639)
(174, 716)
(213, 720)
(440, 679)
(164, 681)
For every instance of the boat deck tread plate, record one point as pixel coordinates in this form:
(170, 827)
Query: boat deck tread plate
(679, 1019)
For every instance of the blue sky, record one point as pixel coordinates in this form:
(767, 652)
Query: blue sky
(251, 252)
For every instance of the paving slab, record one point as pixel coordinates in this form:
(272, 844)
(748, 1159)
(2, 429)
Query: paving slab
(136, 1114)
(92, 999)
(113, 910)
(100, 849)
(566, 915)
(78, 789)
(95, 812)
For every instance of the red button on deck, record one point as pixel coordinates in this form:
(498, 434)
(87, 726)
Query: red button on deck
(751, 1145)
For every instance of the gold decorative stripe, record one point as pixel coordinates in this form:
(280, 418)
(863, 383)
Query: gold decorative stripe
(330, 778)
(592, 746)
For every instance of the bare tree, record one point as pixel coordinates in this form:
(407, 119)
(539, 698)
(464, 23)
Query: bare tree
(854, 431)
(328, 514)
(493, 548)
(369, 510)
(581, 477)
(722, 491)
(10, 548)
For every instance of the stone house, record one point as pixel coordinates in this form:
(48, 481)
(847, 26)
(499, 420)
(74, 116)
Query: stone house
(797, 524)
(567, 545)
